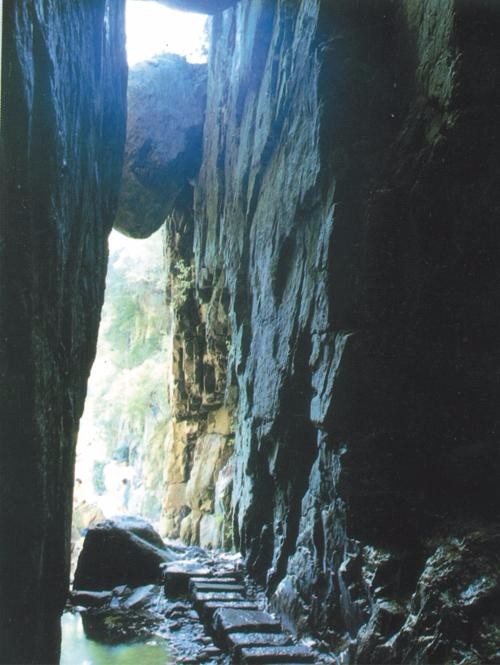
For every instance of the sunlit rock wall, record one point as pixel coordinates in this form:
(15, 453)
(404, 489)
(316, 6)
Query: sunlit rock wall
(63, 126)
(348, 202)
(199, 444)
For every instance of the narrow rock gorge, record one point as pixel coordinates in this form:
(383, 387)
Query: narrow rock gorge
(329, 188)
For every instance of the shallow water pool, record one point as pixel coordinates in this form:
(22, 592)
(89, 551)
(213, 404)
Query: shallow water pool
(78, 649)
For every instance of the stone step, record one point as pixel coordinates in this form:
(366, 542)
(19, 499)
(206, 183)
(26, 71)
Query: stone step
(207, 608)
(215, 586)
(178, 575)
(244, 632)
(202, 596)
(219, 579)
(229, 620)
(267, 655)
(210, 652)
(239, 640)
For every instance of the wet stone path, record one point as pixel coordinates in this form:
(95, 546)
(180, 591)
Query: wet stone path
(208, 611)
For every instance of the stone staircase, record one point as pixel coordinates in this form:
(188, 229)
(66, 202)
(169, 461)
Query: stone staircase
(233, 615)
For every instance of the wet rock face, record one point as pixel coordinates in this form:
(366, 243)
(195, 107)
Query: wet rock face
(347, 203)
(453, 614)
(199, 441)
(166, 106)
(63, 131)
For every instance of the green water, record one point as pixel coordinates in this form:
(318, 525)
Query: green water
(78, 649)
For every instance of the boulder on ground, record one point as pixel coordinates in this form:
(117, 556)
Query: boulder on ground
(122, 550)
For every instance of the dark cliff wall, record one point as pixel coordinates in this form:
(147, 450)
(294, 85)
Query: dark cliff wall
(63, 123)
(348, 202)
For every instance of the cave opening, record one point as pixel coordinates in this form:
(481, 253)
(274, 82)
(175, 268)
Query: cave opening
(153, 28)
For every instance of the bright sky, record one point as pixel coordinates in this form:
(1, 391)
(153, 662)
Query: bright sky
(153, 28)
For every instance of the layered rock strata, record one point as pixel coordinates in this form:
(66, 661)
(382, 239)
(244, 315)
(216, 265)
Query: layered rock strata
(199, 443)
(62, 133)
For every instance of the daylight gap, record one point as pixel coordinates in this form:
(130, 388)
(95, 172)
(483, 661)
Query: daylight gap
(126, 407)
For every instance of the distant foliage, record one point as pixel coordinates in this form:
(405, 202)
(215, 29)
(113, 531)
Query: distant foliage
(98, 477)
(129, 388)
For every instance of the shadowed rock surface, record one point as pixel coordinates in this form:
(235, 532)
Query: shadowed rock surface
(63, 131)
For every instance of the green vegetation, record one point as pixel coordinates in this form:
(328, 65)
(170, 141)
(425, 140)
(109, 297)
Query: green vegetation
(133, 317)
(132, 336)
(183, 282)
(98, 477)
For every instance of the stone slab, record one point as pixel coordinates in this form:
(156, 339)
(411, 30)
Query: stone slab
(193, 569)
(219, 579)
(211, 652)
(227, 620)
(239, 640)
(275, 654)
(202, 596)
(206, 609)
(178, 575)
(213, 586)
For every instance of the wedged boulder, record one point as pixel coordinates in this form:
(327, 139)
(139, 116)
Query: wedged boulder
(166, 109)
(122, 550)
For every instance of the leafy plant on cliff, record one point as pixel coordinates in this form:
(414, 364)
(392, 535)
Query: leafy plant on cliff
(182, 282)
